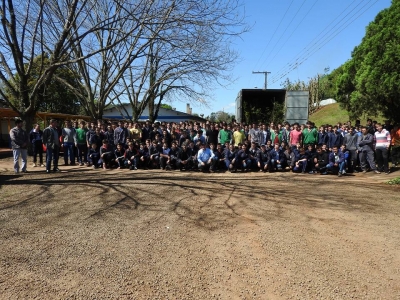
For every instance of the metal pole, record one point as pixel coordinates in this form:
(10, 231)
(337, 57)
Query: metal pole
(266, 76)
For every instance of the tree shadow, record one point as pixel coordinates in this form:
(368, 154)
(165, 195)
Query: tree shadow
(208, 201)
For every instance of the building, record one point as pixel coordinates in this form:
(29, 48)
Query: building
(164, 114)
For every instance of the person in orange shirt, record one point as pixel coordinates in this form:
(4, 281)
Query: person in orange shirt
(395, 145)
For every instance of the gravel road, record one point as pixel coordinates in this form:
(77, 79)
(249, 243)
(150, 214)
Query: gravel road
(92, 234)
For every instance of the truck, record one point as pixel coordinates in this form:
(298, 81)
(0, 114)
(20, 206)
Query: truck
(272, 105)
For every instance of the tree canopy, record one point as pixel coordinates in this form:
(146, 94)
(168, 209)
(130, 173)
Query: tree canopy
(369, 83)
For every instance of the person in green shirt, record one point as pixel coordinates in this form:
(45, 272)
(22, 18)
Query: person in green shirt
(81, 143)
(224, 135)
(310, 135)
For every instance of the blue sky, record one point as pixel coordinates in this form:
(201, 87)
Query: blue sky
(295, 39)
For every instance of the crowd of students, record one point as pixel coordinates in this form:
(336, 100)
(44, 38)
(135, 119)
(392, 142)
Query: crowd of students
(219, 147)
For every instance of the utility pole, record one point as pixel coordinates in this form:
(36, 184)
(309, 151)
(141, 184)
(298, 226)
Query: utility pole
(266, 77)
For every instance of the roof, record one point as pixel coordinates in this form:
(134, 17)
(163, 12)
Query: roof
(9, 113)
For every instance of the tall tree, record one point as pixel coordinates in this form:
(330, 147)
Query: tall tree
(189, 56)
(369, 82)
(31, 28)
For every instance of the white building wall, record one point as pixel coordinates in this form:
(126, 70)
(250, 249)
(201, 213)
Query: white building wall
(165, 115)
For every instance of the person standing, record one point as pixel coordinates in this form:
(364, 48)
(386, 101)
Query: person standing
(69, 137)
(35, 137)
(365, 145)
(52, 143)
(382, 143)
(81, 143)
(19, 143)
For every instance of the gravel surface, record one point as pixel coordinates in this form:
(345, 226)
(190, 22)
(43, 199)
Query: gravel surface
(93, 234)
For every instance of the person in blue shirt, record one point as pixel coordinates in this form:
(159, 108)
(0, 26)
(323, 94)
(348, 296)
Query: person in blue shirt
(204, 158)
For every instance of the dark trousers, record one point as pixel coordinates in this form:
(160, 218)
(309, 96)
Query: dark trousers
(352, 161)
(82, 153)
(395, 155)
(37, 148)
(52, 155)
(382, 158)
(367, 158)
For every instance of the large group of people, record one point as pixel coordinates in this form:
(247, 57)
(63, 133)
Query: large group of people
(212, 147)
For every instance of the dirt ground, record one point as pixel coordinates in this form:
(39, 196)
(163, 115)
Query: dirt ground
(93, 234)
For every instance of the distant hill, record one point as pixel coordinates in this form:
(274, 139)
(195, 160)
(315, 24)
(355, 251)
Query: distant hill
(333, 113)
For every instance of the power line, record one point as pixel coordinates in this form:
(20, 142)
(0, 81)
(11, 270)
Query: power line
(316, 48)
(266, 77)
(276, 29)
(327, 37)
(284, 32)
(324, 32)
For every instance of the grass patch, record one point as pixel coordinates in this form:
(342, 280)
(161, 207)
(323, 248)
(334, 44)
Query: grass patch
(394, 181)
(333, 113)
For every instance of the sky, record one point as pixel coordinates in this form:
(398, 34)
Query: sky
(295, 39)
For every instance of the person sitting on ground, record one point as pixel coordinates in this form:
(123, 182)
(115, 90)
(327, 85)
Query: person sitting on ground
(277, 159)
(229, 156)
(242, 159)
(320, 161)
(154, 155)
(106, 154)
(263, 158)
(119, 156)
(346, 156)
(186, 158)
(165, 158)
(301, 162)
(93, 156)
(204, 158)
(218, 159)
(143, 160)
(336, 162)
(174, 156)
(290, 157)
(253, 153)
(131, 157)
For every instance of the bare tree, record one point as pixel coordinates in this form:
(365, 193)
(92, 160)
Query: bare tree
(187, 58)
(32, 28)
(140, 24)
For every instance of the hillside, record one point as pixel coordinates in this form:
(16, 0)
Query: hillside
(333, 113)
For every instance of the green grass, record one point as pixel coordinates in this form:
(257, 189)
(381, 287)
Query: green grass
(333, 113)
(394, 181)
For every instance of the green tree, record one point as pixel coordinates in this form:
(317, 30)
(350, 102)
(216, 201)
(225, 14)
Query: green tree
(369, 82)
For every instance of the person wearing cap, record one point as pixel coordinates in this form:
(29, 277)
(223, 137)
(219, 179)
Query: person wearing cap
(204, 158)
(19, 143)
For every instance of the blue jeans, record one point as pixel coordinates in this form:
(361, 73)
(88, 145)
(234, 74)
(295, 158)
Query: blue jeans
(339, 168)
(69, 152)
(24, 156)
(52, 155)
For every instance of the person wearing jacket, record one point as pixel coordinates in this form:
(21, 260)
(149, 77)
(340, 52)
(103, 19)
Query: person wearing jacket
(320, 161)
(351, 140)
(35, 136)
(19, 143)
(336, 161)
(365, 148)
(52, 142)
(277, 159)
